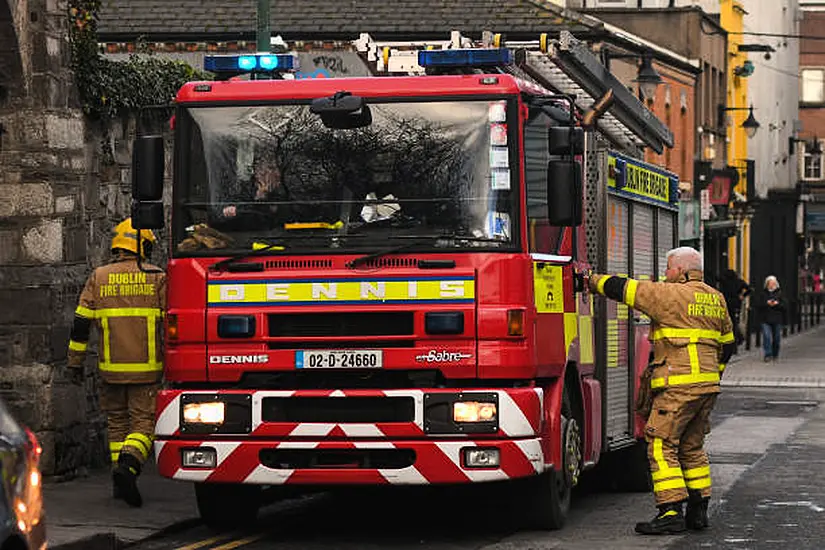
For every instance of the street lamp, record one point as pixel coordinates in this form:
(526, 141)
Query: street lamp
(647, 77)
(751, 125)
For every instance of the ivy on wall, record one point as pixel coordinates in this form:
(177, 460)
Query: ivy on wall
(113, 88)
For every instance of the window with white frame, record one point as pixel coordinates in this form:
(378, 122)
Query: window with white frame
(813, 86)
(812, 165)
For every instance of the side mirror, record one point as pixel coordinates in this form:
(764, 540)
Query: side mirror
(147, 168)
(148, 215)
(564, 140)
(564, 193)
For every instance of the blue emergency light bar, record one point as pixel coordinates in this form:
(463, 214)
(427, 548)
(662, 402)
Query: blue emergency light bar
(250, 63)
(465, 57)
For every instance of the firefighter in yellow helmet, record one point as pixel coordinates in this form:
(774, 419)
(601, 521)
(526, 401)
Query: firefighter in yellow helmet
(692, 337)
(126, 305)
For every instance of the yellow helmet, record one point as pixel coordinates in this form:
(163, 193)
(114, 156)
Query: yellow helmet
(124, 237)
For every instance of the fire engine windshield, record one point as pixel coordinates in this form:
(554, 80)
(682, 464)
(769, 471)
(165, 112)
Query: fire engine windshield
(277, 176)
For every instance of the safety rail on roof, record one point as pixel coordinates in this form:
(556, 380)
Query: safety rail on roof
(563, 66)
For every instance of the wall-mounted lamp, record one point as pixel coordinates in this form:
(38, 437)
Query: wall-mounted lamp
(647, 78)
(751, 125)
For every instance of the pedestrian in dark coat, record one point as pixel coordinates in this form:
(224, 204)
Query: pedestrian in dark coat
(772, 309)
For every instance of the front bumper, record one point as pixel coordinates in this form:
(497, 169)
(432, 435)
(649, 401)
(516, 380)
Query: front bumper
(434, 462)
(412, 450)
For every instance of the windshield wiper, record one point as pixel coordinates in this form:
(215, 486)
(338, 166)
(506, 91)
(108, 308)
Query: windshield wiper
(417, 240)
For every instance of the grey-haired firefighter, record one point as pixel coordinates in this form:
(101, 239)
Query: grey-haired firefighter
(125, 303)
(692, 338)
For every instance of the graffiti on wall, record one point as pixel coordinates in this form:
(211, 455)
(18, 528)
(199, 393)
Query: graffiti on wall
(330, 65)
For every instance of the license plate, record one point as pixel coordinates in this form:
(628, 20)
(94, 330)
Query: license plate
(339, 359)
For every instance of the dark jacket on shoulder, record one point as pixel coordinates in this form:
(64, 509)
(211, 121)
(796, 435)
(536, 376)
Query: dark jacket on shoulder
(772, 314)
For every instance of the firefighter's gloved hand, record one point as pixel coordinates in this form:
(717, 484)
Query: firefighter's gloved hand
(76, 375)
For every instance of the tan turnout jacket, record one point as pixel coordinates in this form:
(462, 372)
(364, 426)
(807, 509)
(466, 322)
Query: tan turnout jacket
(126, 305)
(690, 323)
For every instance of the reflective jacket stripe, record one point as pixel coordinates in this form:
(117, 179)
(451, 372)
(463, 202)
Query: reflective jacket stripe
(630, 292)
(600, 285)
(84, 312)
(697, 333)
(151, 315)
(682, 379)
(151, 366)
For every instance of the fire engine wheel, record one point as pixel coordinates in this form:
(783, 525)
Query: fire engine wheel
(550, 493)
(227, 506)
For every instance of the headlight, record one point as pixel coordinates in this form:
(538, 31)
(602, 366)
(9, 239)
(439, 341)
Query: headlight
(474, 411)
(204, 413)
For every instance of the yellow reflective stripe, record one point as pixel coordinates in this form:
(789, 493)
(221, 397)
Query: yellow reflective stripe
(694, 473)
(115, 456)
(151, 315)
(722, 367)
(151, 335)
(698, 483)
(727, 338)
(693, 353)
(140, 442)
(664, 470)
(665, 473)
(104, 325)
(131, 367)
(128, 312)
(696, 333)
(682, 379)
(630, 292)
(77, 346)
(669, 484)
(116, 446)
(84, 312)
(600, 284)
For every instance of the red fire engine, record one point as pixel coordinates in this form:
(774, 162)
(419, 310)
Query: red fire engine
(377, 281)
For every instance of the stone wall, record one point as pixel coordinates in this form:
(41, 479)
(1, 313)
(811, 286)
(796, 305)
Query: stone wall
(58, 202)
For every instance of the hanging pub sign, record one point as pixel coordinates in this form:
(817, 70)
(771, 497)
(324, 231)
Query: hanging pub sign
(721, 184)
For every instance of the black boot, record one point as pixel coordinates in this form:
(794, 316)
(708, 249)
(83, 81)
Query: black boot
(669, 521)
(125, 478)
(696, 516)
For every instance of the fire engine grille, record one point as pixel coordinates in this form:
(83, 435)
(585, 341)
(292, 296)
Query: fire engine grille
(299, 264)
(372, 323)
(337, 410)
(293, 459)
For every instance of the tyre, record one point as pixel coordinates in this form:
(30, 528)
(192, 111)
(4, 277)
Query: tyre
(227, 506)
(548, 496)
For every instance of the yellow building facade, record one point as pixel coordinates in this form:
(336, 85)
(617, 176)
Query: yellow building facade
(732, 18)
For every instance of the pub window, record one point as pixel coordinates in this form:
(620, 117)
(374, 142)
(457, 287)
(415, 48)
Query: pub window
(813, 86)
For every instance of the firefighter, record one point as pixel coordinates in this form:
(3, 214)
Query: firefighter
(125, 303)
(692, 339)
